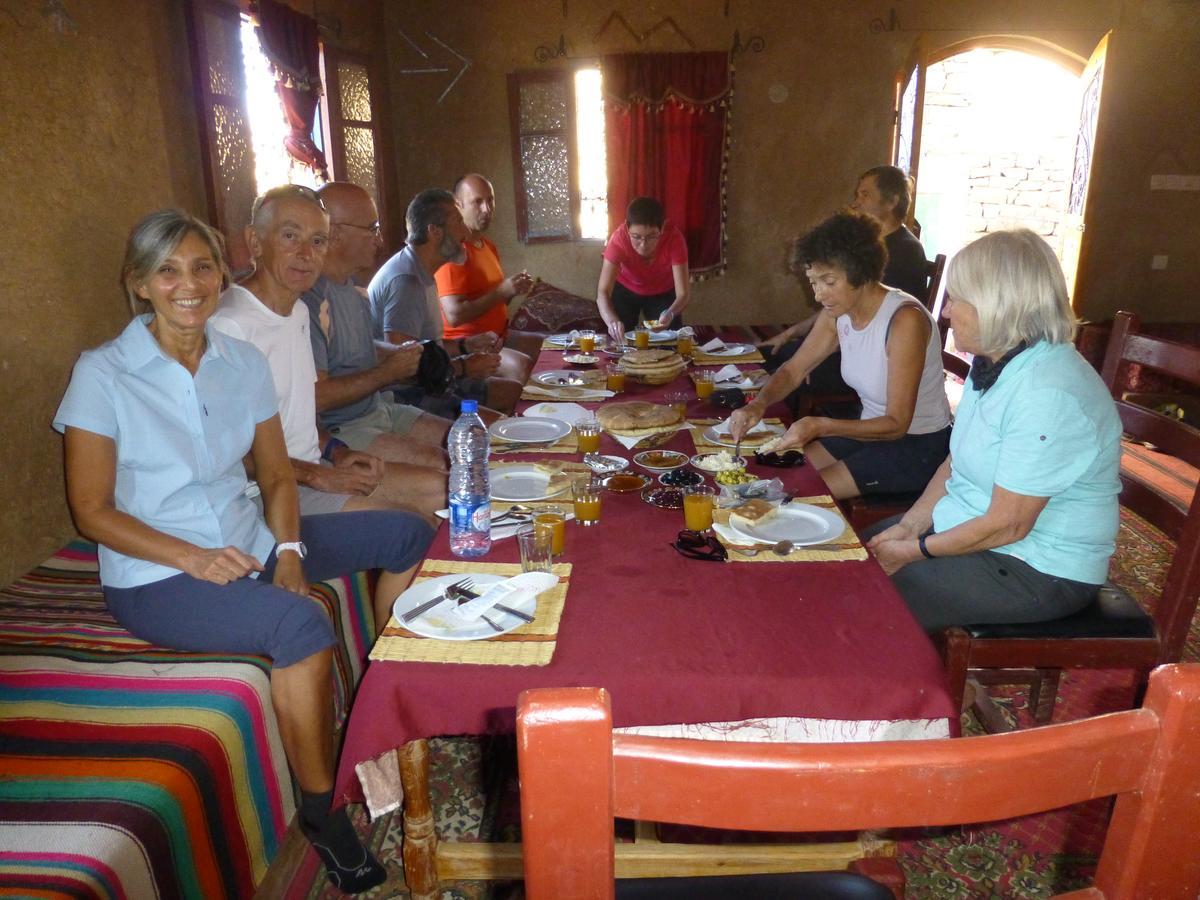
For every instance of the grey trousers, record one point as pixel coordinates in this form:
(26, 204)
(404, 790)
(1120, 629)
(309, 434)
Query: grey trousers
(983, 588)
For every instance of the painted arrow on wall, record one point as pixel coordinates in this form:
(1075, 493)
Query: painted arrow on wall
(426, 70)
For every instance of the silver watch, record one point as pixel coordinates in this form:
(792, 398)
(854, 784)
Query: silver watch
(298, 546)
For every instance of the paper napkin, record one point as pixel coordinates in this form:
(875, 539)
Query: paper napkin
(511, 592)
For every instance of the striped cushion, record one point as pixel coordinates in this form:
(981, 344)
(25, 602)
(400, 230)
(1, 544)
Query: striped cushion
(134, 771)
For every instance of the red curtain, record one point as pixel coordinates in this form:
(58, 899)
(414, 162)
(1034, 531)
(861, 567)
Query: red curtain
(666, 123)
(292, 45)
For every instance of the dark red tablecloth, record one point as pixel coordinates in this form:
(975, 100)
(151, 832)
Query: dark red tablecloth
(676, 640)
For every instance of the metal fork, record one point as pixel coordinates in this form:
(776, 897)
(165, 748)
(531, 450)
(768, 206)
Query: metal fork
(468, 591)
(433, 601)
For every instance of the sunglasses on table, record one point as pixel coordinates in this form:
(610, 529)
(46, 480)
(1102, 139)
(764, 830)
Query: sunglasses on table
(695, 545)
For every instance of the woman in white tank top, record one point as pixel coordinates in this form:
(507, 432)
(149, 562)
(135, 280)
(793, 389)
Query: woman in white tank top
(891, 355)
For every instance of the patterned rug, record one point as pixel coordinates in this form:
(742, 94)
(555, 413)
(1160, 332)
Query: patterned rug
(1029, 857)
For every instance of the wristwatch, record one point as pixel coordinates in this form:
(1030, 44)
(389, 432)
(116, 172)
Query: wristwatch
(298, 546)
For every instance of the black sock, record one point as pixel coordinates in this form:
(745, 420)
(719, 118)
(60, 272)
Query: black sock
(314, 810)
(348, 864)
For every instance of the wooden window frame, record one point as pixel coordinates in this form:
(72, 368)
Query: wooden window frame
(517, 80)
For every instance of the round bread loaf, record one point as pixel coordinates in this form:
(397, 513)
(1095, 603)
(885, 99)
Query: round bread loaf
(635, 417)
(653, 366)
(647, 357)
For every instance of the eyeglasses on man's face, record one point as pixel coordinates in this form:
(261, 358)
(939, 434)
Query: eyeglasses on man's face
(374, 227)
(646, 238)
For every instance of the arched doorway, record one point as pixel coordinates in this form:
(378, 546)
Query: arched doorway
(997, 133)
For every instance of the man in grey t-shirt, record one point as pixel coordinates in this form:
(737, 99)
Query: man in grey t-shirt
(404, 306)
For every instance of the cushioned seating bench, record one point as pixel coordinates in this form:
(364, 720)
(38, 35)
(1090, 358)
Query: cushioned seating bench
(130, 770)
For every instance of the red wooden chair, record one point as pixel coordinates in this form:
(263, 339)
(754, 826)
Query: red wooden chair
(576, 776)
(1113, 632)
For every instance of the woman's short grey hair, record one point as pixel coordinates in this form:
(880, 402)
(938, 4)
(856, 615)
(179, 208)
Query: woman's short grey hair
(1016, 284)
(155, 238)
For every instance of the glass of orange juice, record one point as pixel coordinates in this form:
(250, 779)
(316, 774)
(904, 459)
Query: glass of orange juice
(587, 341)
(698, 502)
(589, 431)
(586, 494)
(703, 380)
(641, 338)
(614, 378)
(552, 519)
(685, 344)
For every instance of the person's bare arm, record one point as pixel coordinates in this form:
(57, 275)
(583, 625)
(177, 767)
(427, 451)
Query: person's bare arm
(459, 310)
(608, 278)
(679, 274)
(1009, 518)
(396, 365)
(91, 468)
(820, 343)
(281, 505)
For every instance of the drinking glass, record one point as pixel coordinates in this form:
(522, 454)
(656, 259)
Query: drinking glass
(641, 338)
(698, 502)
(553, 520)
(587, 494)
(685, 345)
(615, 378)
(589, 431)
(537, 548)
(587, 341)
(703, 380)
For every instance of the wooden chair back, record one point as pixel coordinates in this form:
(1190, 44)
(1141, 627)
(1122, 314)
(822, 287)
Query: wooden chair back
(935, 270)
(1177, 605)
(576, 776)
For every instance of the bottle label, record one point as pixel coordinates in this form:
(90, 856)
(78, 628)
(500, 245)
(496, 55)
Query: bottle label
(470, 515)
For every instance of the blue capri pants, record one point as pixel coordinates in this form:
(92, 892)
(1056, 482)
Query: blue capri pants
(251, 615)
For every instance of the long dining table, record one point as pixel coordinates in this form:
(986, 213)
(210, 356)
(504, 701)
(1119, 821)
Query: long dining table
(746, 650)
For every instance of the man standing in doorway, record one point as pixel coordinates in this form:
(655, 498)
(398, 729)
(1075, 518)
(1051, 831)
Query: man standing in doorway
(474, 294)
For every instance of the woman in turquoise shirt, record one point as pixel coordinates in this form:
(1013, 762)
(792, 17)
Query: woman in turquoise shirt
(157, 423)
(1020, 521)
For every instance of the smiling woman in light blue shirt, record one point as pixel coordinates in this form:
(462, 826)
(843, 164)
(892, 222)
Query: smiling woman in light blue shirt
(1019, 523)
(157, 424)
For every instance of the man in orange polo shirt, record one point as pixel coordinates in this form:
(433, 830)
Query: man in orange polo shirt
(475, 294)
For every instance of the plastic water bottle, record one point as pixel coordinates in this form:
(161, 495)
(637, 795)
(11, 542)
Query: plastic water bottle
(470, 489)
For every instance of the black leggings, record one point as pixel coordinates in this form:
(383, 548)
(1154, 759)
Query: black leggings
(633, 308)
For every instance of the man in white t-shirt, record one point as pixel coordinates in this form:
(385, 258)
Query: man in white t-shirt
(287, 237)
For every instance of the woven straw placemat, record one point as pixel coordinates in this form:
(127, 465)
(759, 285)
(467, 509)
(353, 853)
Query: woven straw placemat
(847, 546)
(700, 358)
(702, 446)
(530, 645)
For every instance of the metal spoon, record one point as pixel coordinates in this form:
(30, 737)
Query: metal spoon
(783, 548)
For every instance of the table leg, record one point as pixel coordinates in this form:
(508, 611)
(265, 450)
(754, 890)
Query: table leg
(420, 839)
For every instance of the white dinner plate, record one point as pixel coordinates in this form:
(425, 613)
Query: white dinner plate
(796, 522)
(754, 439)
(656, 337)
(559, 340)
(566, 377)
(729, 350)
(565, 412)
(522, 482)
(441, 624)
(529, 430)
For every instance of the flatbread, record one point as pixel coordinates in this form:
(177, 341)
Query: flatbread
(647, 357)
(634, 417)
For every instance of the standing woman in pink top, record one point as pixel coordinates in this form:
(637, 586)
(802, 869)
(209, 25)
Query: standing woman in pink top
(645, 271)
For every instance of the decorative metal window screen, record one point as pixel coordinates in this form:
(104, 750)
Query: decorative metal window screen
(542, 115)
(354, 125)
(214, 33)
(908, 110)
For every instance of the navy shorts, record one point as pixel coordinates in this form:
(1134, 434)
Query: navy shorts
(251, 615)
(902, 466)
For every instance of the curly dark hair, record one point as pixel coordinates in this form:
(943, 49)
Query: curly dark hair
(850, 240)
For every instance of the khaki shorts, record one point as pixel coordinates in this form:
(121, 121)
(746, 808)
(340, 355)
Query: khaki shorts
(312, 503)
(386, 418)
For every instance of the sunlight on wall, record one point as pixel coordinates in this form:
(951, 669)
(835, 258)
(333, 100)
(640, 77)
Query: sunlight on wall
(268, 127)
(589, 138)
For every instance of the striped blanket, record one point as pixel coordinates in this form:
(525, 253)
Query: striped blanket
(129, 771)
